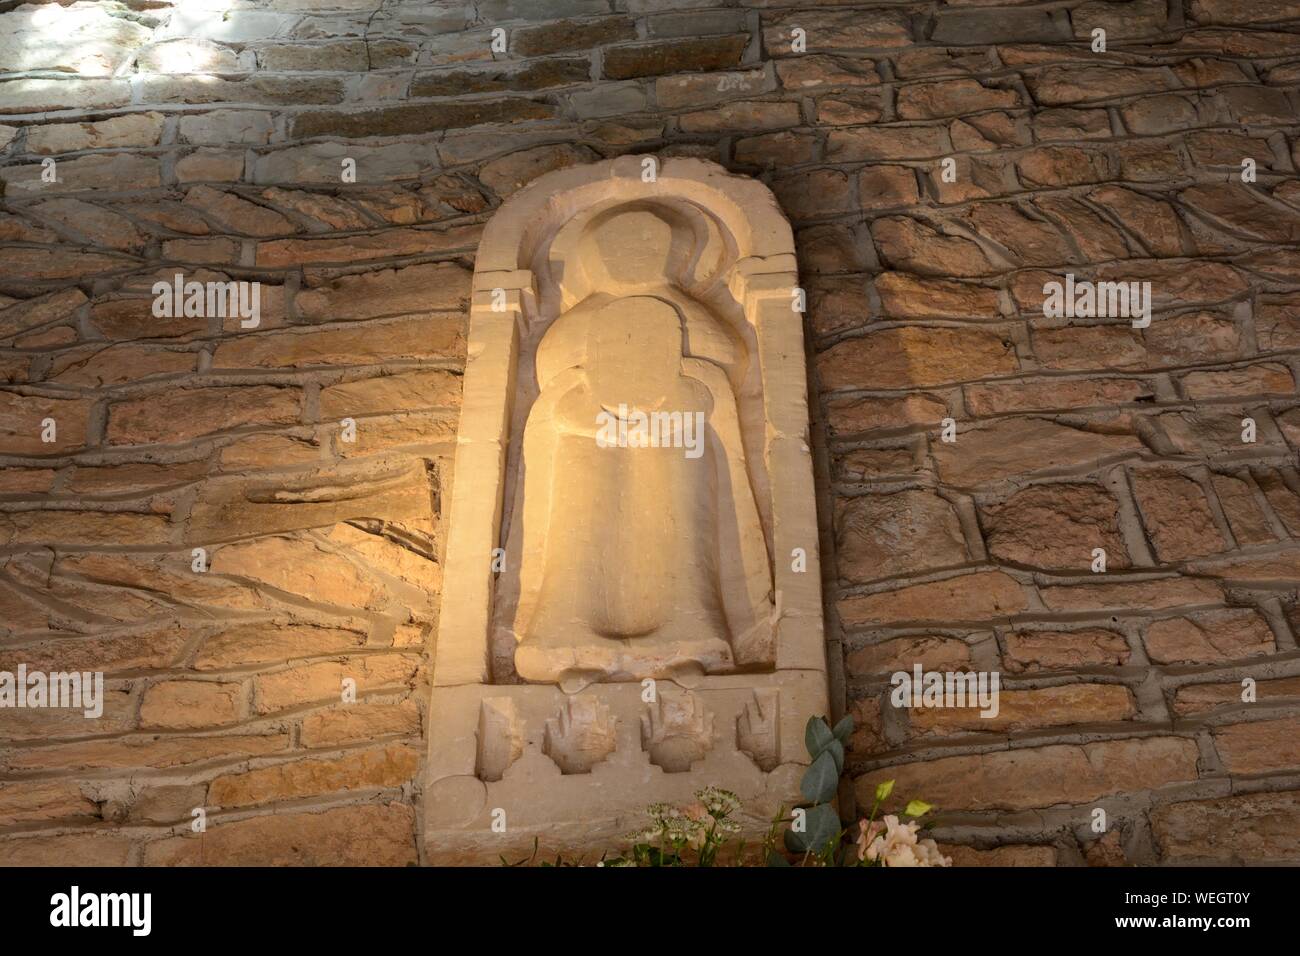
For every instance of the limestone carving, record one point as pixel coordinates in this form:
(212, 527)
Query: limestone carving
(581, 735)
(756, 728)
(500, 740)
(632, 479)
(676, 730)
(639, 545)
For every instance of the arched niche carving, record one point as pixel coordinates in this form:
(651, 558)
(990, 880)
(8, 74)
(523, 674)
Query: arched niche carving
(632, 500)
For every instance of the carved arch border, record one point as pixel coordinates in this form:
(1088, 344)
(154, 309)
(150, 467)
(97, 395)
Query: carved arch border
(762, 280)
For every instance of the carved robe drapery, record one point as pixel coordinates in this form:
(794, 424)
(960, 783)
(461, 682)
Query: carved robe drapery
(637, 561)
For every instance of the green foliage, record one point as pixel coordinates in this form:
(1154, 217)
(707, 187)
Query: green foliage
(676, 837)
(815, 830)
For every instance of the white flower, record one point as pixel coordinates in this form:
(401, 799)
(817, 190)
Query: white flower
(894, 844)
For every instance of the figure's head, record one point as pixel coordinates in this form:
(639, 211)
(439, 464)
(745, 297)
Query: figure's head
(636, 245)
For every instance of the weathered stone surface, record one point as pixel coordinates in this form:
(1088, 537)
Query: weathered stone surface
(1030, 710)
(674, 56)
(814, 195)
(231, 508)
(1176, 515)
(958, 26)
(300, 567)
(82, 38)
(851, 107)
(42, 801)
(1011, 855)
(904, 653)
(93, 224)
(378, 768)
(1153, 595)
(515, 171)
(1198, 698)
(187, 55)
(1260, 746)
(270, 451)
(46, 95)
(1039, 650)
(913, 246)
(534, 75)
(70, 849)
(439, 336)
(982, 596)
(837, 30)
(115, 172)
(362, 721)
(1056, 526)
(907, 296)
(848, 416)
(415, 289)
(272, 643)
(322, 682)
(224, 127)
(191, 704)
(130, 129)
(137, 649)
(1249, 828)
(953, 97)
(391, 393)
(152, 751)
(1240, 506)
(1056, 775)
(327, 838)
(1268, 378)
(25, 418)
(743, 115)
(413, 118)
(879, 536)
(864, 464)
(886, 187)
(1209, 637)
(1063, 85)
(912, 356)
(189, 413)
(871, 143)
(1014, 446)
(564, 36)
(210, 165)
(378, 245)
(1054, 393)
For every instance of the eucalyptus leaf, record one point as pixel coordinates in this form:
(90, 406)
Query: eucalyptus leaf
(823, 826)
(816, 736)
(836, 750)
(822, 779)
(843, 728)
(796, 842)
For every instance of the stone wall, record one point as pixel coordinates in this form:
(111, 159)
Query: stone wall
(214, 138)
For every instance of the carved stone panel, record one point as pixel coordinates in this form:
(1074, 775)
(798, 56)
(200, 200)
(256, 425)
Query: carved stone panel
(631, 603)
